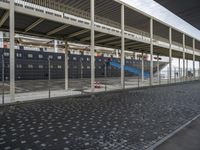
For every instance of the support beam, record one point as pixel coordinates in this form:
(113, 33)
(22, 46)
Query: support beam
(108, 39)
(58, 29)
(96, 36)
(78, 33)
(12, 51)
(151, 52)
(92, 6)
(66, 66)
(183, 57)
(142, 67)
(4, 18)
(170, 55)
(34, 24)
(193, 46)
(122, 47)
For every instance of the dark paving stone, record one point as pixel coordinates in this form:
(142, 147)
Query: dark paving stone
(129, 120)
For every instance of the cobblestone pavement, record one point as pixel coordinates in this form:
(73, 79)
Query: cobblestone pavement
(127, 120)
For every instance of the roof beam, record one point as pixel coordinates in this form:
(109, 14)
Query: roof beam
(4, 18)
(108, 39)
(139, 46)
(58, 29)
(34, 24)
(96, 36)
(78, 33)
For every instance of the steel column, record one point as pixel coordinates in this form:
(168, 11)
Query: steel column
(12, 51)
(92, 3)
(142, 67)
(193, 45)
(170, 55)
(183, 57)
(179, 68)
(66, 66)
(122, 47)
(151, 52)
(158, 68)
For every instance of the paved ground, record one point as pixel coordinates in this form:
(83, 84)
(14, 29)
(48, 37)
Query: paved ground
(23, 86)
(128, 120)
(186, 139)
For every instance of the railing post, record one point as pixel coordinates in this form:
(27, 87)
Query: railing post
(92, 6)
(184, 57)
(12, 51)
(151, 52)
(194, 72)
(122, 47)
(170, 55)
(66, 66)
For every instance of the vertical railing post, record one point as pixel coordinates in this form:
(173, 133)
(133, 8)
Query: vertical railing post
(179, 69)
(122, 47)
(12, 50)
(151, 52)
(3, 78)
(92, 6)
(49, 77)
(170, 55)
(66, 66)
(183, 57)
(194, 72)
(158, 69)
(142, 67)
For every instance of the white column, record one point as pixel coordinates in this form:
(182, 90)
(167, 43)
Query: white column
(199, 69)
(170, 55)
(142, 67)
(186, 68)
(151, 52)
(183, 57)
(66, 66)
(122, 47)
(92, 2)
(158, 68)
(12, 51)
(55, 46)
(179, 67)
(193, 45)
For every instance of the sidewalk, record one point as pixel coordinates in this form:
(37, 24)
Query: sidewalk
(187, 139)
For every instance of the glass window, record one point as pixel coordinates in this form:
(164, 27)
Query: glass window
(30, 55)
(88, 67)
(59, 67)
(6, 54)
(59, 57)
(30, 66)
(40, 56)
(19, 55)
(99, 67)
(88, 59)
(40, 66)
(19, 66)
(50, 57)
(51, 66)
(74, 58)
